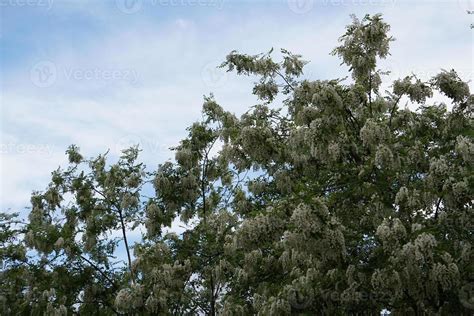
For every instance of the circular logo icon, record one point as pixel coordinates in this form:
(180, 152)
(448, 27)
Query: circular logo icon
(213, 76)
(300, 6)
(127, 142)
(43, 74)
(129, 6)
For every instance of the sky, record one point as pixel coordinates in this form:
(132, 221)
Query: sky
(108, 74)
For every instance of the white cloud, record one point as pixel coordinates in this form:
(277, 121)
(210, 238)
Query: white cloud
(172, 60)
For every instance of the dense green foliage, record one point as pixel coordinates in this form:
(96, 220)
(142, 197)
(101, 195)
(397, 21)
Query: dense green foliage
(327, 197)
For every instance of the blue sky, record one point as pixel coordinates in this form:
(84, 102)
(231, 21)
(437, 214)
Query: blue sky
(106, 74)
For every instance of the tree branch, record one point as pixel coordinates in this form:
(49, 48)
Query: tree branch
(437, 208)
(286, 80)
(124, 233)
(99, 270)
(392, 111)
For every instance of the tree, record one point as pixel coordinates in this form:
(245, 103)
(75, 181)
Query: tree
(336, 201)
(12, 261)
(69, 231)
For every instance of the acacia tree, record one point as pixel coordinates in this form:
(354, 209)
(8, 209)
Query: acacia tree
(335, 200)
(70, 235)
(362, 199)
(197, 187)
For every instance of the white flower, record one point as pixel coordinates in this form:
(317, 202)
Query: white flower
(122, 300)
(184, 157)
(334, 151)
(373, 133)
(384, 157)
(402, 196)
(390, 232)
(465, 148)
(128, 201)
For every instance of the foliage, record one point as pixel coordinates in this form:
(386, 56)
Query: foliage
(337, 201)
